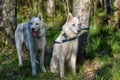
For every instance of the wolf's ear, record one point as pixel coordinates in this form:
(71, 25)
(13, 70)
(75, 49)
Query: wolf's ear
(40, 16)
(30, 16)
(69, 18)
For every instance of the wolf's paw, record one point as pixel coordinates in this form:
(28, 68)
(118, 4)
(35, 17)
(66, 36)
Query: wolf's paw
(43, 69)
(20, 64)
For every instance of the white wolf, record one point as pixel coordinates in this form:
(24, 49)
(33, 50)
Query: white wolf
(32, 34)
(66, 46)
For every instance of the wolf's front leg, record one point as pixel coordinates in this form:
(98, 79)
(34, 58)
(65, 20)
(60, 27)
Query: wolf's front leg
(54, 64)
(73, 62)
(41, 56)
(61, 63)
(33, 63)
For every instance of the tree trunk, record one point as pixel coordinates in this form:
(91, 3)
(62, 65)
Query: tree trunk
(117, 14)
(82, 8)
(7, 22)
(50, 7)
(43, 6)
(107, 7)
(102, 3)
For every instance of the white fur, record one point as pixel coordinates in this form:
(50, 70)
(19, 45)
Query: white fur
(23, 34)
(66, 51)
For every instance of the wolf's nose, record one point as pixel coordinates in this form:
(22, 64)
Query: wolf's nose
(32, 29)
(78, 30)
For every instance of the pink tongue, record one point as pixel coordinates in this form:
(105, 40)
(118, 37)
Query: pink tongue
(34, 34)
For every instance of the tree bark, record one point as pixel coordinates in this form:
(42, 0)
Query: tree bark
(7, 21)
(107, 7)
(117, 14)
(50, 7)
(82, 8)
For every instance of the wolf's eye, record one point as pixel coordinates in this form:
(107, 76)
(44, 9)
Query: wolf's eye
(73, 24)
(36, 23)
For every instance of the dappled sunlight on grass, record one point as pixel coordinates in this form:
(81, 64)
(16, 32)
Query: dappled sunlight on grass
(103, 51)
(104, 43)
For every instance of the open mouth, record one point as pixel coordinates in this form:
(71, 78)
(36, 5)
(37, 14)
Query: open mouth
(34, 34)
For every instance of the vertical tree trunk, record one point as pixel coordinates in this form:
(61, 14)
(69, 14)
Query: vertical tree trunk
(107, 7)
(102, 3)
(66, 6)
(82, 8)
(43, 6)
(117, 14)
(95, 2)
(50, 7)
(7, 21)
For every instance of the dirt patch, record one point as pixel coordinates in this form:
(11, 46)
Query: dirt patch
(89, 69)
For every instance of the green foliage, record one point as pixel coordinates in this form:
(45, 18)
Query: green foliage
(104, 44)
(103, 40)
(116, 69)
(52, 35)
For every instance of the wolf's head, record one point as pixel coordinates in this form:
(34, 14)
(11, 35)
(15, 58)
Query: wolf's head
(35, 24)
(72, 26)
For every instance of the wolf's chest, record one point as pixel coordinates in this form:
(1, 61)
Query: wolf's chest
(70, 48)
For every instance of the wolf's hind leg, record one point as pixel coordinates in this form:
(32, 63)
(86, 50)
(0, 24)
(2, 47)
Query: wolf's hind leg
(19, 45)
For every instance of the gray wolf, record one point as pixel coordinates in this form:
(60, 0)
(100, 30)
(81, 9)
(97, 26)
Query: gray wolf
(32, 34)
(66, 46)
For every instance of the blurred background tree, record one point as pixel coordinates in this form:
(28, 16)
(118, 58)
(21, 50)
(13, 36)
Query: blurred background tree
(7, 23)
(116, 14)
(50, 7)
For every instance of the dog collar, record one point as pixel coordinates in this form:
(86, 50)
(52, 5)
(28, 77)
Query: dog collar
(69, 39)
(84, 28)
(66, 39)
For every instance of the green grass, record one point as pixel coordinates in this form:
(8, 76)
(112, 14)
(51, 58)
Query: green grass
(104, 46)
(104, 43)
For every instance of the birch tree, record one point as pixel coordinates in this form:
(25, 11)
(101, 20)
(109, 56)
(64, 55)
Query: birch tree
(82, 8)
(7, 21)
(50, 7)
(117, 14)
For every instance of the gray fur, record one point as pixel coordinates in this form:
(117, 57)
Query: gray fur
(32, 33)
(66, 51)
